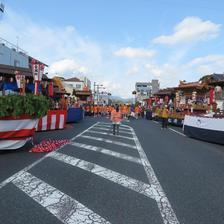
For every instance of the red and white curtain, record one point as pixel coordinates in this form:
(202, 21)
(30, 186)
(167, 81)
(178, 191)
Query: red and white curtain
(15, 133)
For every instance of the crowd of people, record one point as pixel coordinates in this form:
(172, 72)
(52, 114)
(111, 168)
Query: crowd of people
(128, 111)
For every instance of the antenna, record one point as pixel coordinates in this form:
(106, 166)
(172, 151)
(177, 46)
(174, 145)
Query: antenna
(17, 43)
(2, 7)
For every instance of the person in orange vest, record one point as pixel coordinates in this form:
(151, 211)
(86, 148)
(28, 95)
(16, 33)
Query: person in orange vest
(165, 115)
(116, 118)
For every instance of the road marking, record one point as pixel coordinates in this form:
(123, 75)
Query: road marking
(62, 206)
(121, 125)
(105, 133)
(108, 174)
(166, 211)
(110, 126)
(173, 130)
(177, 132)
(108, 141)
(11, 178)
(110, 129)
(156, 122)
(107, 152)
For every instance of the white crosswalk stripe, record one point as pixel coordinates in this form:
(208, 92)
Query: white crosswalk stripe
(108, 174)
(65, 208)
(110, 129)
(107, 152)
(121, 125)
(109, 134)
(108, 141)
(110, 126)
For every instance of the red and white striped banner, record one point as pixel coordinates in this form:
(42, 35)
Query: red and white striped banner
(55, 119)
(15, 133)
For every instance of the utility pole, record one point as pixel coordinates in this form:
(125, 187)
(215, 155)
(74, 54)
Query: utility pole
(96, 92)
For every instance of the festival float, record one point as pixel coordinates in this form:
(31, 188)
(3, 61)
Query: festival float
(80, 95)
(55, 117)
(19, 116)
(20, 111)
(209, 127)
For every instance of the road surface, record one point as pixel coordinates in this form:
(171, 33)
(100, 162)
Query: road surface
(143, 175)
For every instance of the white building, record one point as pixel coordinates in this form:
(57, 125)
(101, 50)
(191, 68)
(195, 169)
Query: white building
(11, 55)
(144, 90)
(75, 83)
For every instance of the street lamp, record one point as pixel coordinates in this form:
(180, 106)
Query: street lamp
(134, 93)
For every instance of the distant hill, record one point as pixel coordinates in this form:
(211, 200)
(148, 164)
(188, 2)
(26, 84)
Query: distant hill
(118, 99)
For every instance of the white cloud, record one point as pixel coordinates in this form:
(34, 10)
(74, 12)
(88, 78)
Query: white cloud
(133, 71)
(66, 67)
(191, 29)
(130, 52)
(207, 64)
(63, 48)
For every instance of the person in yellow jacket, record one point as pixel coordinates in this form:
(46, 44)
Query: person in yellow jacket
(165, 115)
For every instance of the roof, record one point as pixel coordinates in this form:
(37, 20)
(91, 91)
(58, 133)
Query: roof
(191, 85)
(10, 70)
(167, 91)
(213, 79)
(30, 59)
(82, 93)
(74, 79)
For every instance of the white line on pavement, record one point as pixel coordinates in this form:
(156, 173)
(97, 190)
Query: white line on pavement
(121, 125)
(156, 122)
(177, 132)
(9, 179)
(110, 126)
(110, 129)
(105, 133)
(110, 175)
(65, 208)
(173, 130)
(107, 152)
(108, 141)
(167, 213)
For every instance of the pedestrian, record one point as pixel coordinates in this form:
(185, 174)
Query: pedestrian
(137, 112)
(165, 115)
(116, 118)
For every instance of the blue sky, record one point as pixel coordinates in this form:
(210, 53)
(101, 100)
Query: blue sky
(120, 42)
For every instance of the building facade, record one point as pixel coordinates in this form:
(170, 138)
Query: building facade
(144, 90)
(11, 56)
(86, 81)
(75, 83)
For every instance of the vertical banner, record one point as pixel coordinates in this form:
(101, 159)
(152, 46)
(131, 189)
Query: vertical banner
(20, 80)
(212, 96)
(38, 71)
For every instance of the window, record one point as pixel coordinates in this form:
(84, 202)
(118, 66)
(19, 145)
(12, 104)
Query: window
(16, 63)
(78, 86)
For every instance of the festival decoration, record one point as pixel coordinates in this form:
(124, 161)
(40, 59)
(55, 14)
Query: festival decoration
(38, 71)
(49, 145)
(20, 80)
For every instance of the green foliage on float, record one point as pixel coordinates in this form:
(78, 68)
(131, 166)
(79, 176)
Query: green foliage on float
(17, 105)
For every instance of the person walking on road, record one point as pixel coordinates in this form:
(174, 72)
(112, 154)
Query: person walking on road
(116, 118)
(165, 115)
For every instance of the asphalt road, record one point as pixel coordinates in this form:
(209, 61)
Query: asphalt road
(143, 175)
